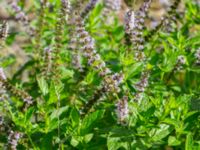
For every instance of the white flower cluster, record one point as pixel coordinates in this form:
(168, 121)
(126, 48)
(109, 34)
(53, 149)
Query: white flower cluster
(46, 70)
(3, 95)
(2, 124)
(134, 26)
(137, 31)
(2, 74)
(111, 82)
(129, 20)
(13, 139)
(171, 18)
(76, 57)
(88, 8)
(141, 85)
(28, 100)
(114, 5)
(122, 110)
(74, 44)
(66, 7)
(4, 30)
(88, 48)
(110, 6)
(19, 14)
(22, 17)
(180, 62)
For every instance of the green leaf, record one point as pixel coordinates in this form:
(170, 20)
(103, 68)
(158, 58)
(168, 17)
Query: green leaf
(43, 85)
(56, 113)
(88, 137)
(176, 88)
(115, 143)
(170, 121)
(196, 145)
(90, 120)
(172, 141)
(74, 141)
(75, 117)
(97, 10)
(133, 70)
(11, 38)
(66, 73)
(191, 116)
(189, 142)
(28, 115)
(162, 132)
(52, 125)
(55, 90)
(118, 33)
(121, 131)
(52, 94)
(192, 41)
(55, 123)
(7, 61)
(46, 141)
(90, 77)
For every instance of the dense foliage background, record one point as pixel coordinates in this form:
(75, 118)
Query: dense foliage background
(97, 75)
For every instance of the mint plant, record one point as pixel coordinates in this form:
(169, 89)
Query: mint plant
(94, 80)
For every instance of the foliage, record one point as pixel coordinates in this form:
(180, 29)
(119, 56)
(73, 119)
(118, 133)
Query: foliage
(69, 107)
